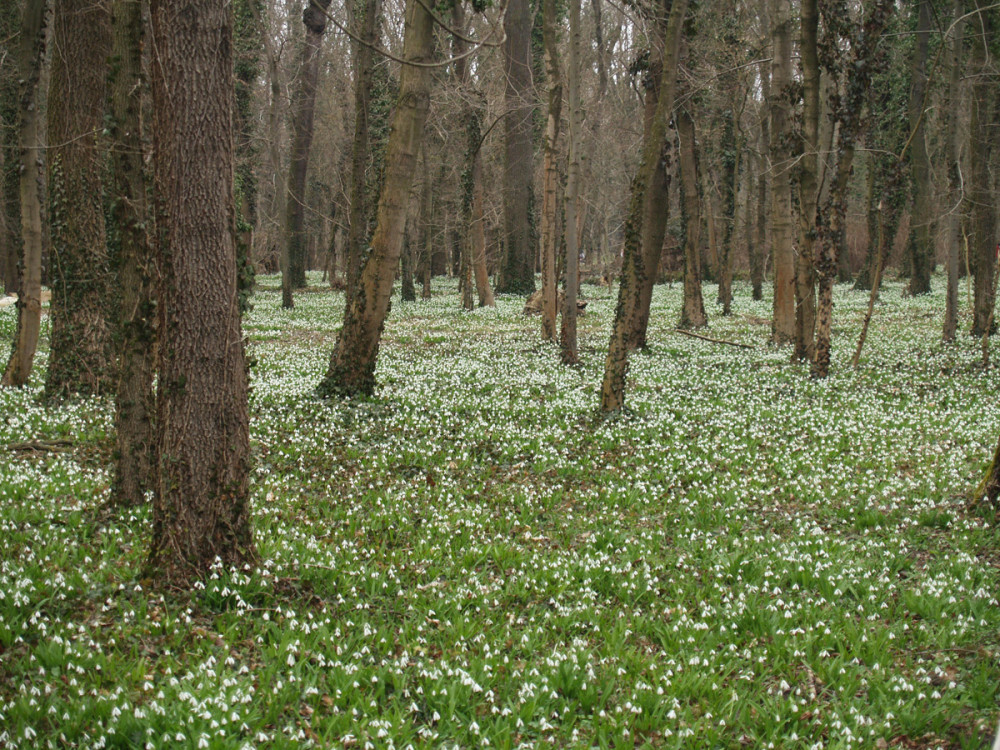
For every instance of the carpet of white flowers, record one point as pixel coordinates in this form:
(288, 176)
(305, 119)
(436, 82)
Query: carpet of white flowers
(745, 558)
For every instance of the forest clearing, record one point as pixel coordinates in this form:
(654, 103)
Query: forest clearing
(745, 557)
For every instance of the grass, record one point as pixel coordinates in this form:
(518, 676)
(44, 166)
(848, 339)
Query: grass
(745, 558)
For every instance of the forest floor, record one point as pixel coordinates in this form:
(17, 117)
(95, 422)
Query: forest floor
(745, 558)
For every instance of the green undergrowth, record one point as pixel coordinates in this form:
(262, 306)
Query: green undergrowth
(744, 558)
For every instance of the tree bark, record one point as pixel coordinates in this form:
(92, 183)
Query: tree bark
(783, 323)
(134, 399)
(693, 310)
(81, 355)
(758, 258)
(640, 259)
(954, 140)
(518, 272)
(550, 173)
(31, 56)
(352, 364)
(10, 156)
(921, 237)
(650, 225)
(982, 201)
(303, 111)
(200, 508)
(808, 174)
(357, 223)
(567, 333)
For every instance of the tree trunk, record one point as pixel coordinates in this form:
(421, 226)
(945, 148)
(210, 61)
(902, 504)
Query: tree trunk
(758, 259)
(276, 205)
(364, 67)
(808, 173)
(732, 147)
(652, 222)
(248, 38)
(982, 200)
(407, 292)
(352, 364)
(303, 110)
(10, 156)
(641, 260)
(921, 237)
(550, 172)
(201, 501)
(848, 127)
(134, 399)
(426, 231)
(571, 291)
(518, 272)
(693, 310)
(954, 145)
(783, 322)
(31, 56)
(81, 357)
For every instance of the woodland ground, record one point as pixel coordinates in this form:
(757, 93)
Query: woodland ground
(746, 558)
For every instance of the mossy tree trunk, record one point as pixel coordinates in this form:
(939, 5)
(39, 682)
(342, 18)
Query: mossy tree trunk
(134, 399)
(953, 221)
(641, 260)
(201, 510)
(81, 357)
(10, 154)
(352, 363)
(567, 333)
(31, 55)
(782, 227)
(808, 185)
(550, 172)
(303, 112)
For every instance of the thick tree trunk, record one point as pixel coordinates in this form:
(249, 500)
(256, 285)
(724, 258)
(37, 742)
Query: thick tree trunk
(352, 364)
(31, 55)
(571, 290)
(921, 244)
(134, 399)
(693, 310)
(982, 200)
(641, 260)
(550, 173)
(426, 231)
(518, 271)
(364, 67)
(81, 357)
(201, 500)
(808, 173)
(954, 145)
(303, 110)
(782, 227)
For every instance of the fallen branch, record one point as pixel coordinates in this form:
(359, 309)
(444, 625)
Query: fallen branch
(57, 445)
(709, 338)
